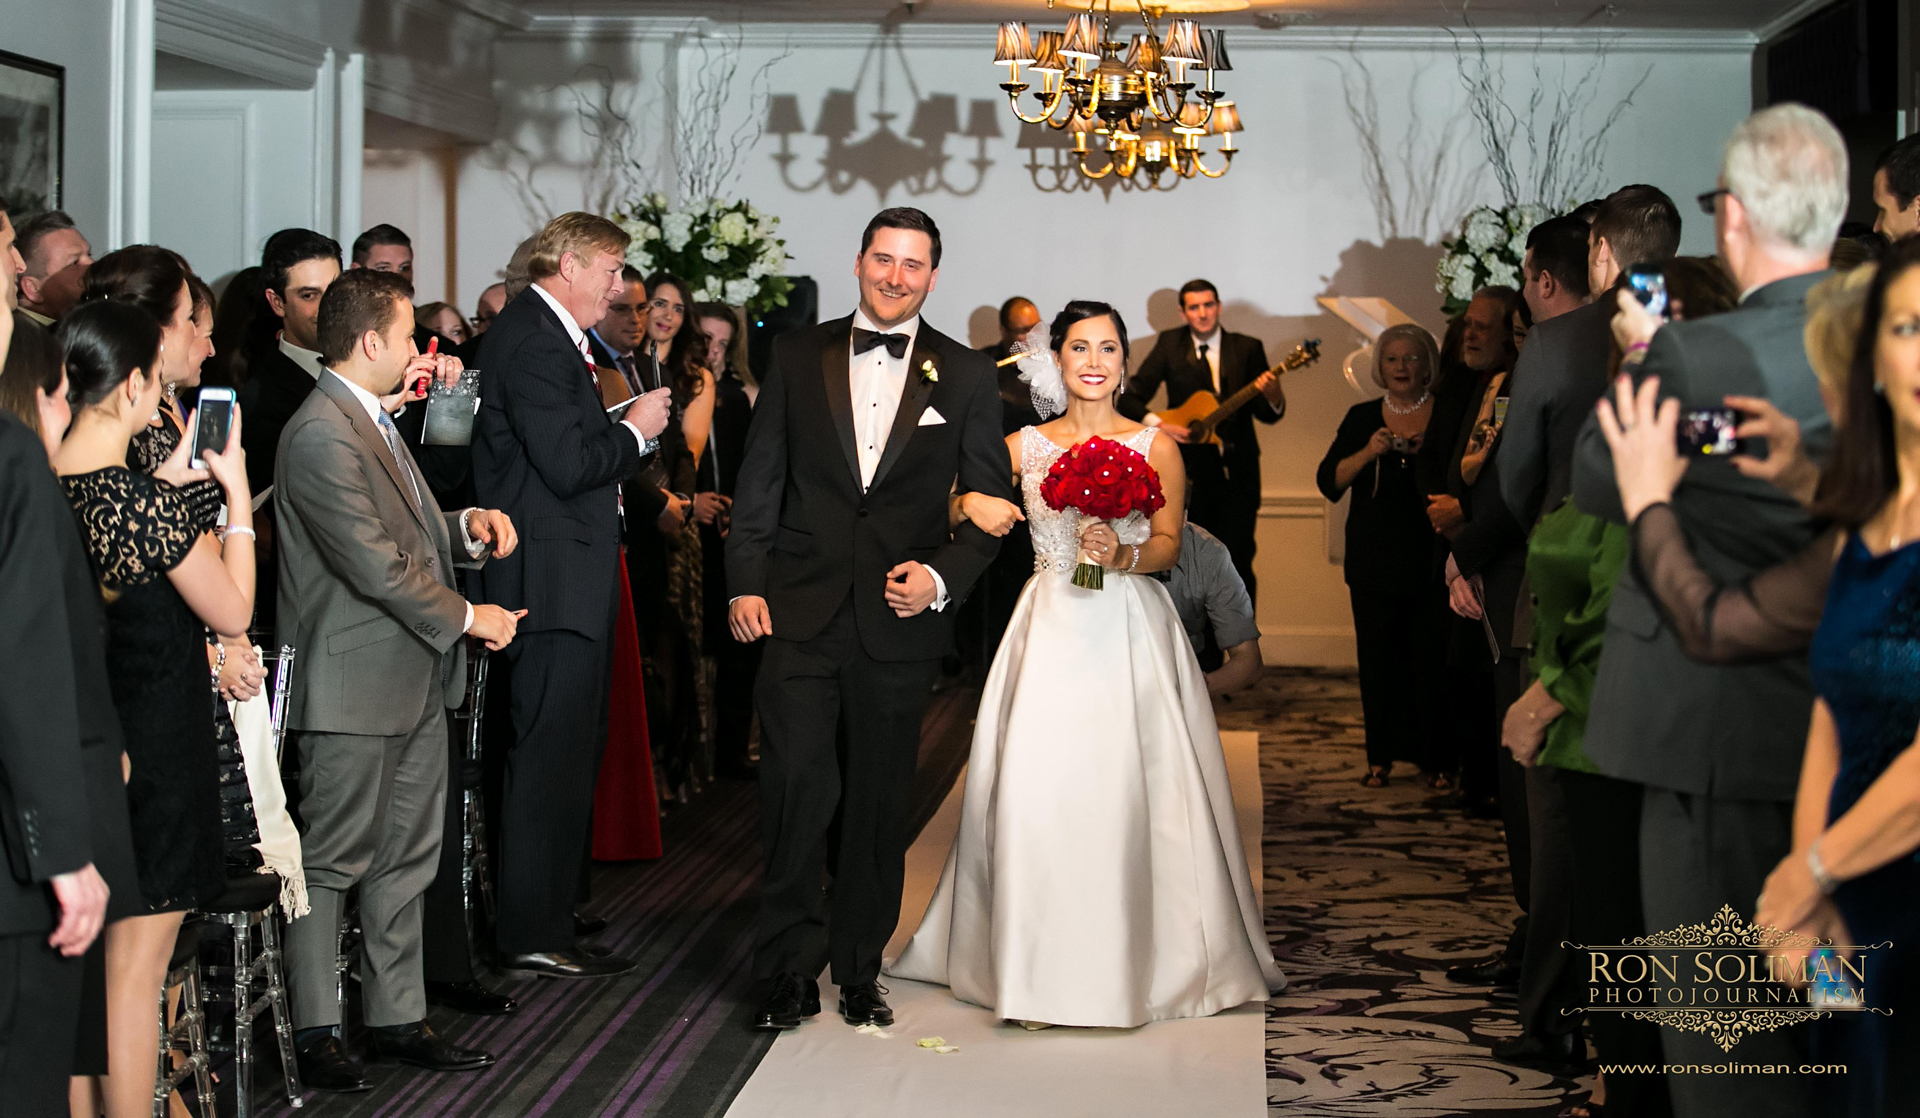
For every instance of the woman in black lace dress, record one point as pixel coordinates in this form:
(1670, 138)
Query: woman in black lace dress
(164, 581)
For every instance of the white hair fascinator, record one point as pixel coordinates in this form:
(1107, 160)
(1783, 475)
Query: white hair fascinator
(1045, 382)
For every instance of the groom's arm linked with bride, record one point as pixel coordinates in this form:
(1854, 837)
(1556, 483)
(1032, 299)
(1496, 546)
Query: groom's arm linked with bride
(842, 557)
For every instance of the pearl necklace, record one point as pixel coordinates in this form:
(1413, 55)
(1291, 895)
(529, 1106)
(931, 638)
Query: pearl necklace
(1387, 402)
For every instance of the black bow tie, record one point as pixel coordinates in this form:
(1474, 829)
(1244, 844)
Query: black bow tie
(864, 340)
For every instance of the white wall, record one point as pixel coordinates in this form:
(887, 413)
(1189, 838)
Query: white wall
(1292, 220)
(78, 36)
(408, 189)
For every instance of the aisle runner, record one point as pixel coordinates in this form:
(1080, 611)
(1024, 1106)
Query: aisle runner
(1213, 1066)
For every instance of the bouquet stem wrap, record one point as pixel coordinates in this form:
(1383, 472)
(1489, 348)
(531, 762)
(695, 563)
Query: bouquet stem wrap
(1087, 573)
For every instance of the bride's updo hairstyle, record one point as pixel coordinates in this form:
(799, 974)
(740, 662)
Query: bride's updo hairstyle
(1080, 310)
(104, 342)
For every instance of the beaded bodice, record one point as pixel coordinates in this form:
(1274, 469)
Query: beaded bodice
(1056, 535)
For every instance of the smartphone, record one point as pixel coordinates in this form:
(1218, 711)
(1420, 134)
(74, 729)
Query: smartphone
(1649, 285)
(216, 420)
(1709, 431)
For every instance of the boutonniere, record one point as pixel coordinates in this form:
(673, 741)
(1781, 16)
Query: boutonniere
(929, 374)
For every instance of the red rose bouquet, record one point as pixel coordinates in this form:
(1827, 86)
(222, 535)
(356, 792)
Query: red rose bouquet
(1101, 480)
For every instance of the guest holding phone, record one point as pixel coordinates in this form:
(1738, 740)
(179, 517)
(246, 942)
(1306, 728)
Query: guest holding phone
(166, 581)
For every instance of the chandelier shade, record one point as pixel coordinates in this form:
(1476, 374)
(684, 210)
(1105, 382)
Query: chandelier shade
(1046, 53)
(1015, 47)
(1082, 38)
(1183, 42)
(1215, 45)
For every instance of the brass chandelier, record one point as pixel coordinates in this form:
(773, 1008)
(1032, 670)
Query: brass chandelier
(1134, 103)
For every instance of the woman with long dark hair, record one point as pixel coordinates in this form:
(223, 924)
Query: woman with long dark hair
(677, 347)
(166, 581)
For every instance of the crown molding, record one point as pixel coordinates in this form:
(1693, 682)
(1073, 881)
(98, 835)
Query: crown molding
(503, 12)
(395, 88)
(1785, 20)
(233, 40)
(1245, 39)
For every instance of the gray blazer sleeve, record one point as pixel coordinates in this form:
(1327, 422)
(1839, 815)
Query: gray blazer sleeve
(1522, 461)
(1594, 490)
(324, 480)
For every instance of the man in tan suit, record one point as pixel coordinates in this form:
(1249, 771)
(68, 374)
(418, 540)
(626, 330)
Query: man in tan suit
(367, 597)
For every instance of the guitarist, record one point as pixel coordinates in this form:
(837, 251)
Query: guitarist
(1202, 357)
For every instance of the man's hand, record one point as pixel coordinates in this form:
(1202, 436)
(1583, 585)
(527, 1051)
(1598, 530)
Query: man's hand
(649, 414)
(910, 588)
(83, 909)
(1175, 432)
(1269, 384)
(495, 626)
(1633, 324)
(447, 369)
(1640, 433)
(749, 619)
(708, 508)
(1463, 594)
(673, 516)
(1445, 514)
(494, 528)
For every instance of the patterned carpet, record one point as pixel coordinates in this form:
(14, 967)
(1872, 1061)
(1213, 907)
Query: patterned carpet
(1371, 895)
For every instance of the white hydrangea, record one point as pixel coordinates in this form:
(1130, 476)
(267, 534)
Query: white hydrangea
(713, 254)
(1462, 287)
(1451, 264)
(677, 229)
(1531, 215)
(1518, 245)
(640, 258)
(708, 291)
(773, 256)
(731, 229)
(739, 291)
(1502, 274)
(657, 201)
(1484, 230)
(755, 270)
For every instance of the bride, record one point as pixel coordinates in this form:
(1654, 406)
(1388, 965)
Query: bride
(1098, 877)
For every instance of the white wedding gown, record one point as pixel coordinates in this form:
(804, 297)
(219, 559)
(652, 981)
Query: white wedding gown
(1098, 877)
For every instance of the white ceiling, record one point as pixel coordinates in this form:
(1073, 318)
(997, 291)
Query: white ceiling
(1718, 15)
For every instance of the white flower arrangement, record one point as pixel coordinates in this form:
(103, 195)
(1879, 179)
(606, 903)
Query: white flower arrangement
(725, 251)
(1487, 252)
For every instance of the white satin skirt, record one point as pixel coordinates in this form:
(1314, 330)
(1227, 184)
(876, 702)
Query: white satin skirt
(1098, 877)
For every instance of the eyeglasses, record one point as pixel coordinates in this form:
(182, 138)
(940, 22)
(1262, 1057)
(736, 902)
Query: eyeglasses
(1706, 200)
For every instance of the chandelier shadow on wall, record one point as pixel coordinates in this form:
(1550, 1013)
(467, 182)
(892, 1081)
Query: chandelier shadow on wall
(880, 155)
(1132, 112)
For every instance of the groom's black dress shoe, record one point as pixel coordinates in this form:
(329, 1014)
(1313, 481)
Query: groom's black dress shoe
(419, 1045)
(793, 997)
(325, 1066)
(864, 1004)
(567, 964)
(586, 924)
(1495, 972)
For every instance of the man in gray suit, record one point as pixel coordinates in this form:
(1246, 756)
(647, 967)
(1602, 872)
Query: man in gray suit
(367, 597)
(1718, 749)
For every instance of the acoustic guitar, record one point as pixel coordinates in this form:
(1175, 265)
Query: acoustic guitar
(1202, 413)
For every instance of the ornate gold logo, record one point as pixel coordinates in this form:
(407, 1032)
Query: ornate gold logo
(1728, 978)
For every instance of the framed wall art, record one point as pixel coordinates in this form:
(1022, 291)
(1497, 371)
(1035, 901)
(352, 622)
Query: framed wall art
(32, 132)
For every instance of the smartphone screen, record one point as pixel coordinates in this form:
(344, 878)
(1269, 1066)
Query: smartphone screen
(216, 420)
(1649, 285)
(1708, 431)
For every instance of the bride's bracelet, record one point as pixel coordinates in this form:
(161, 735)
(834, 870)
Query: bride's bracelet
(1136, 558)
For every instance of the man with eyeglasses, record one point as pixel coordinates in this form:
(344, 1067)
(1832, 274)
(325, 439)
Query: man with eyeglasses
(1717, 749)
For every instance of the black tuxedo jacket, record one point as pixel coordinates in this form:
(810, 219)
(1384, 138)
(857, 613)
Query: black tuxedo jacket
(55, 706)
(275, 389)
(545, 453)
(804, 536)
(1174, 363)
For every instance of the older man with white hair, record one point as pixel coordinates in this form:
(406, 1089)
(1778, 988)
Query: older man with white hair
(1717, 749)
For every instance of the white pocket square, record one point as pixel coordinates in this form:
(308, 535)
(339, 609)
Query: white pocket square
(930, 418)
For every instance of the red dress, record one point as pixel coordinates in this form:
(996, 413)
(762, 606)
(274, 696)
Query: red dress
(626, 811)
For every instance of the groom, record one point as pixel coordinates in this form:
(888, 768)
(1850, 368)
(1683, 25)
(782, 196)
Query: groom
(843, 561)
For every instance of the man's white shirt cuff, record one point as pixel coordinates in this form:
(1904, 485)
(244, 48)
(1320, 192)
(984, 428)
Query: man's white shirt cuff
(647, 446)
(939, 589)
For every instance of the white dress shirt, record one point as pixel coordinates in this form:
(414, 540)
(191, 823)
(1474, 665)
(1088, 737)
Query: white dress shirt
(579, 338)
(375, 412)
(878, 380)
(1212, 342)
(308, 360)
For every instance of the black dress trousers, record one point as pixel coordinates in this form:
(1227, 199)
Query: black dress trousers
(39, 1013)
(806, 692)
